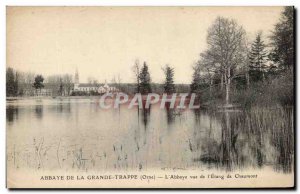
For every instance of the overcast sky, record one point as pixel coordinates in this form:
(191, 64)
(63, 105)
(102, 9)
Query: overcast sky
(105, 42)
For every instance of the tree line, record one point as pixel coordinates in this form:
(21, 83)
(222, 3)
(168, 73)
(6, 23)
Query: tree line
(232, 70)
(230, 62)
(143, 79)
(28, 84)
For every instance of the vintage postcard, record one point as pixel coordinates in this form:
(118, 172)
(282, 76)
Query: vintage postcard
(150, 97)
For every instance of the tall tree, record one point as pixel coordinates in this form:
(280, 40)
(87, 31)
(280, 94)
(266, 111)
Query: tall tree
(67, 80)
(16, 83)
(210, 67)
(226, 46)
(61, 88)
(246, 67)
(29, 79)
(21, 83)
(10, 82)
(258, 58)
(38, 82)
(169, 86)
(282, 40)
(136, 71)
(195, 85)
(145, 80)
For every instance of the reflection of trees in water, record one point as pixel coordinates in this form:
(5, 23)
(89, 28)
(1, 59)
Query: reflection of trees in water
(205, 147)
(242, 140)
(39, 111)
(197, 115)
(61, 106)
(64, 107)
(170, 115)
(196, 133)
(248, 138)
(145, 112)
(271, 129)
(283, 139)
(170, 112)
(141, 138)
(255, 135)
(229, 153)
(12, 113)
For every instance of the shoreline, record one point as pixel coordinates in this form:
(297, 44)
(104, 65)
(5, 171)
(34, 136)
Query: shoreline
(49, 97)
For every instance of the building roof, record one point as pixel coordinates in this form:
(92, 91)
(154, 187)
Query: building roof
(88, 85)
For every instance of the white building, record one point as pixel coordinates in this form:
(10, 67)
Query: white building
(89, 87)
(42, 92)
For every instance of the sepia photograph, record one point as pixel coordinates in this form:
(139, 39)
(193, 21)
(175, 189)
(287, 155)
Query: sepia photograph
(150, 97)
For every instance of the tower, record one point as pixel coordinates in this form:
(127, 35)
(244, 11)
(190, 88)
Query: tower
(76, 83)
(76, 77)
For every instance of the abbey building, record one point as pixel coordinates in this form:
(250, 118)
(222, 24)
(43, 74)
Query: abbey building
(92, 87)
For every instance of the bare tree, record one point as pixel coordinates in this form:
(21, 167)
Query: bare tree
(29, 79)
(209, 67)
(113, 81)
(60, 84)
(226, 47)
(136, 71)
(246, 67)
(119, 81)
(68, 83)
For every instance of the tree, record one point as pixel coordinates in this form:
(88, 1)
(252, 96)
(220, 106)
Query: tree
(61, 88)
(21, 83)
(246, 67)
(282, 40)
(10, 82)
(38, 82)
(169, 86)
(68, 83)
(195, 85)
(119, 81)
(258, 58)
(16, 83)
(210, 67)
(55, 83)
(136, 71)
(145, 85)
(226, 45)
(29, 77)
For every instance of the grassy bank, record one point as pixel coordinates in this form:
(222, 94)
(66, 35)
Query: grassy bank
(278, 91)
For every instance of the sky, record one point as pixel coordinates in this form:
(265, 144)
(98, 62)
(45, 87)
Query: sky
(104, 42)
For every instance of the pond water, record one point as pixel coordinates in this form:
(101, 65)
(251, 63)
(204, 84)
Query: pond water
(76, 134)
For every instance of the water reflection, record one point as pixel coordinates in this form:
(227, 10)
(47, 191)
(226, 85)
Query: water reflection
(253, 139)
(11, 113)
(146, 116)
(64, 107)
(283, 140)
(39, 111)
(108, 139)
